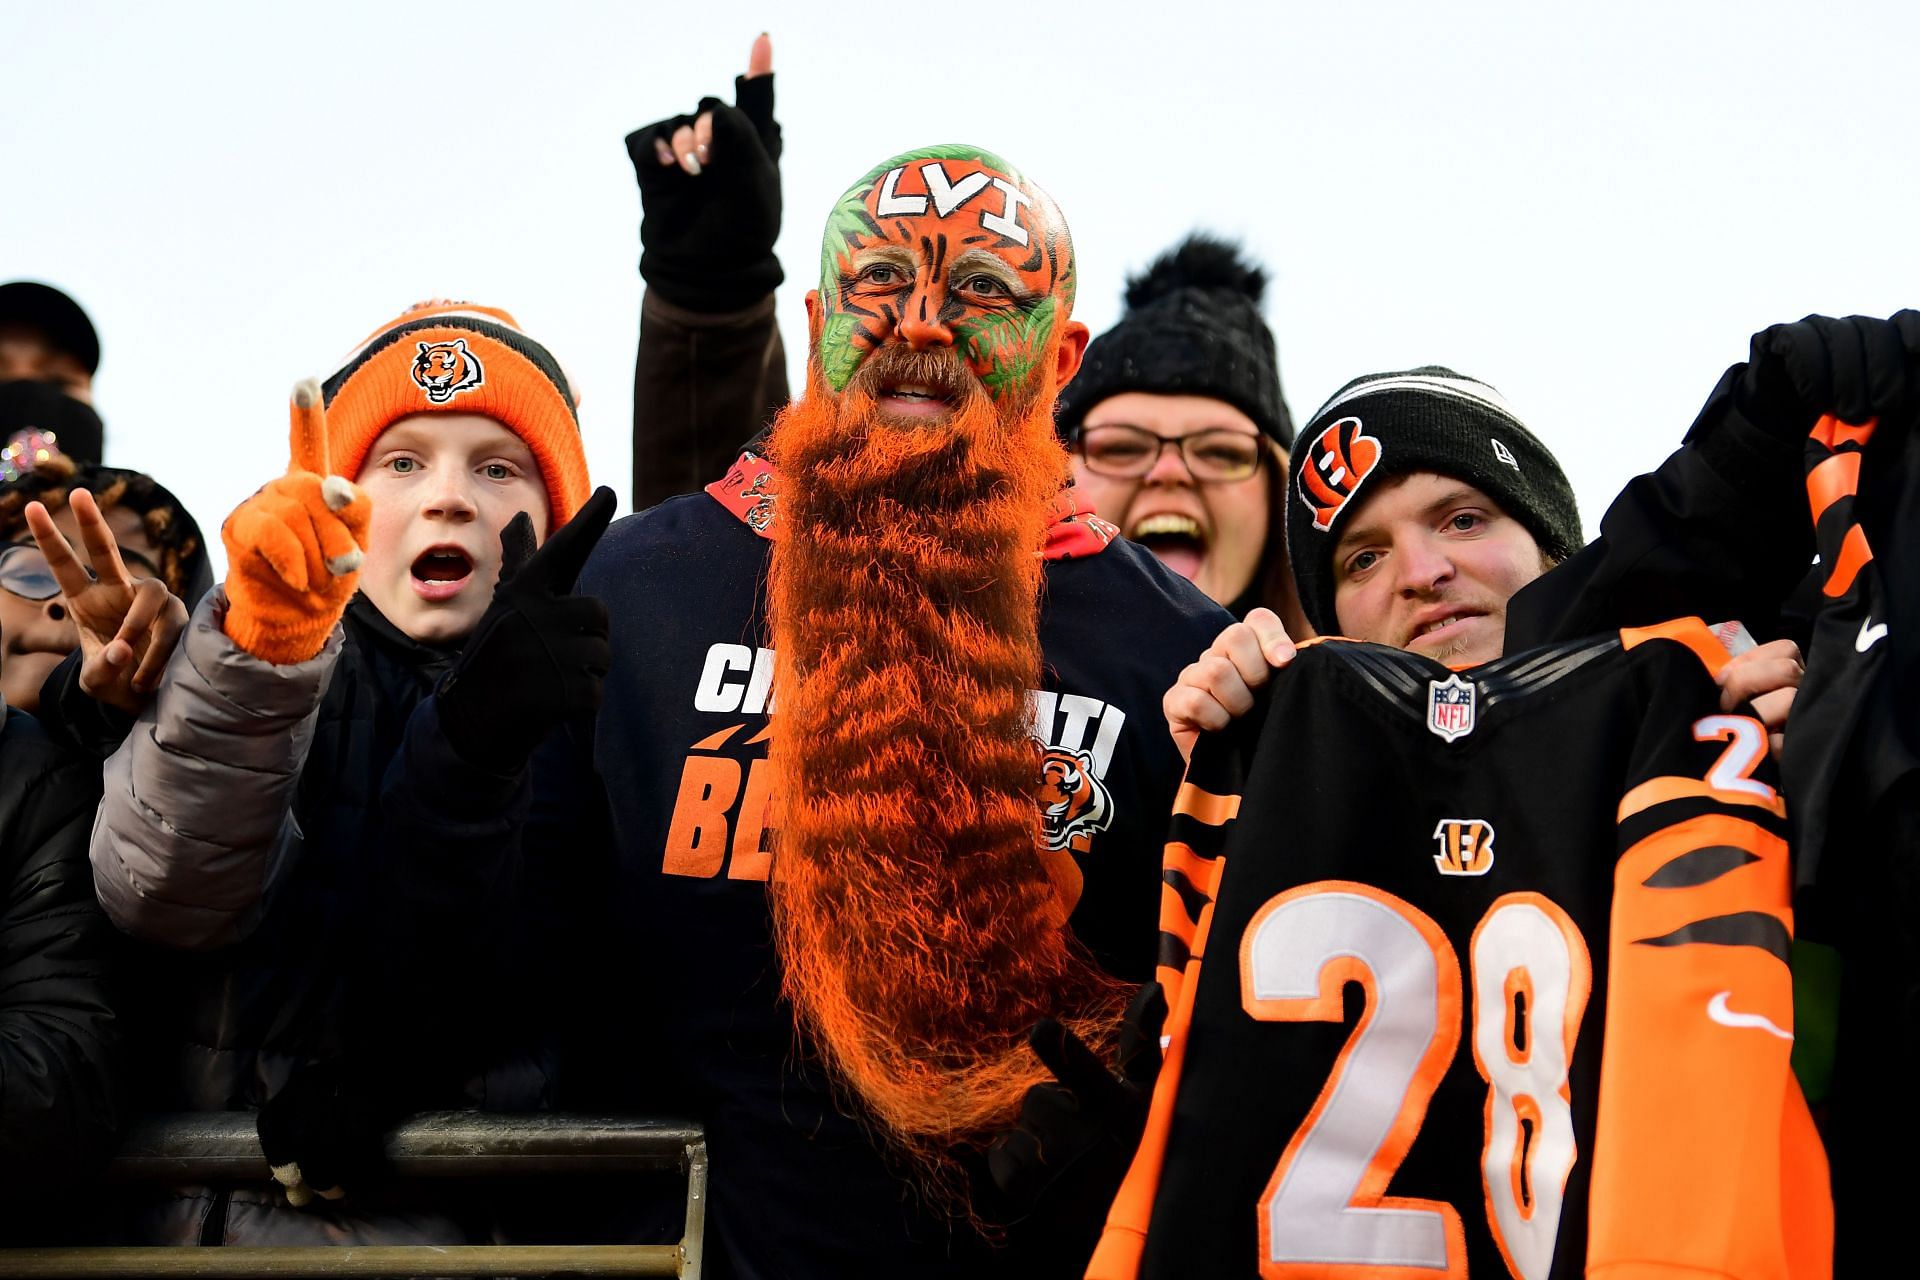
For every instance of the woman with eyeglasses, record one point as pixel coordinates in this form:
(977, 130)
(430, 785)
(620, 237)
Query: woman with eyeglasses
(1179, 430)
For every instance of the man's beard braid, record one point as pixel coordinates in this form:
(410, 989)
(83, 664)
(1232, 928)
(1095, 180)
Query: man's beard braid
(919, 933)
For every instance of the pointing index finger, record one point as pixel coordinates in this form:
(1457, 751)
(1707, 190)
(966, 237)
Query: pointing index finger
(760, 58)
(309, 434)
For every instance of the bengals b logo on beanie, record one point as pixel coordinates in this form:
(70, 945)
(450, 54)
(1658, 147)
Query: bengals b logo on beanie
(1393, 424)
(1338, 459)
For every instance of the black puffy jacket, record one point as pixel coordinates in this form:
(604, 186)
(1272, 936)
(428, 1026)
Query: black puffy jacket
(60, 1043)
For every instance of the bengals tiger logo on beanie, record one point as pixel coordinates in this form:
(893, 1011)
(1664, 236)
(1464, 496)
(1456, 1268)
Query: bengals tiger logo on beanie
(457, 357)
(1393, 424)
(444, 369)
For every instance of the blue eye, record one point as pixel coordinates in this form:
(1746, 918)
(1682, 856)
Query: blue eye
(403, 466)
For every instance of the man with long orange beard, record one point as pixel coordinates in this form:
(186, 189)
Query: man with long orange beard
(842, 919)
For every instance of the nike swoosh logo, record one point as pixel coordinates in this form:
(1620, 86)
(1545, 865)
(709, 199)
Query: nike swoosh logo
(1718, 1011)
(1869, 636)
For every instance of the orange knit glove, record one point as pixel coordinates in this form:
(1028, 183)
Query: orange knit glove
(294, 548)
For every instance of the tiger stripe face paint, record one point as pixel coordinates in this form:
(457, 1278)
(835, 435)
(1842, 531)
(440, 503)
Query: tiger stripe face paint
(947, 246)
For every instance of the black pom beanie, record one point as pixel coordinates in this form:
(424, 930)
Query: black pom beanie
(1192, 327)
(1426, 419)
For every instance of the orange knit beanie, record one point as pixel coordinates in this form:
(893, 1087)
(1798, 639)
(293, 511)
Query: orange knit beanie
(456, 357)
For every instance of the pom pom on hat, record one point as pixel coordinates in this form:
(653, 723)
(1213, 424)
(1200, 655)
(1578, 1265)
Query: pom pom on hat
(1193, 327)
(1200, 261)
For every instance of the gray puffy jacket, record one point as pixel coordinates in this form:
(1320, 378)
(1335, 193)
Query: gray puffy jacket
(240, 835)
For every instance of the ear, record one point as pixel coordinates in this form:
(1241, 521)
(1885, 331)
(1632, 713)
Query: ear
(815, 319)
(1073, 347)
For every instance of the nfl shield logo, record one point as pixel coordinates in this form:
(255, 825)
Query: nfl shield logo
(1450, 707)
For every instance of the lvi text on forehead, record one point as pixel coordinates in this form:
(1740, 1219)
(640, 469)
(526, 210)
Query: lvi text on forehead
(947, 197)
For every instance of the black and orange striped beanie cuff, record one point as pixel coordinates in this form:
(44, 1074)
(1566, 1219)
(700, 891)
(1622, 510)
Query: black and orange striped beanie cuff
(460, 358)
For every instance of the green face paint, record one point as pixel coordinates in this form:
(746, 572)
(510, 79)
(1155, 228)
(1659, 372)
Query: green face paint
(944, 246)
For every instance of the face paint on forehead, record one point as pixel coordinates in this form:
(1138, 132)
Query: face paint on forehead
(951, 237)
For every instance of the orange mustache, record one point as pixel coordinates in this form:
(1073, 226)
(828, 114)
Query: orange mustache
(919, 932)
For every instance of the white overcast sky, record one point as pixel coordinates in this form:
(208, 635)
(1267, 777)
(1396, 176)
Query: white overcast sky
(1589, 206)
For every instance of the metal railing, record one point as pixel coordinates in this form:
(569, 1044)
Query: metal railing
(223, 1147)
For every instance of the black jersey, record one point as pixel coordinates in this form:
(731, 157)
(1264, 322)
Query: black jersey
(1852, 769)
(797, 1186)
(1479, 973)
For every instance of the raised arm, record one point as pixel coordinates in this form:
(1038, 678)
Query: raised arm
(1721, 529)
(196, 823)
(711, 370)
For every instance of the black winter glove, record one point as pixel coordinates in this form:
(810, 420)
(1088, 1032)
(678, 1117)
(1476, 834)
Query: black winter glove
(1063, 1163)
(706, 239)
(1855, 369)
(323, 1133)
(539, 653)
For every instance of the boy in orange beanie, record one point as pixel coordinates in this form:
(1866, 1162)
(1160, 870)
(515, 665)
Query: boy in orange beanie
(394, 562)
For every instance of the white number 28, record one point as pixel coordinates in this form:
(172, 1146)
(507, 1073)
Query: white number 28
(1325, 1210)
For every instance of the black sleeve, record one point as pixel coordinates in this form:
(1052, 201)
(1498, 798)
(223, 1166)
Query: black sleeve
(711, 370)
(703, 385)
(60, 1045)
(76, 721)
(1720, 530)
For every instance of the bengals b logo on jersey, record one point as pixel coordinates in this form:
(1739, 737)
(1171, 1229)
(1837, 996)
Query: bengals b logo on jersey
(1466, 846)
(1339, 458)
(444, 368)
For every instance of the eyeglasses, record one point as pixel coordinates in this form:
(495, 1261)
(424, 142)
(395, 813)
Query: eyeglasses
(1218, 455)
(26, 573)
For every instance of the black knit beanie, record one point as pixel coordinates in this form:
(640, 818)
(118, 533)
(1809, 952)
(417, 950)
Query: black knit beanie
(1192, 328)
(1426, 419)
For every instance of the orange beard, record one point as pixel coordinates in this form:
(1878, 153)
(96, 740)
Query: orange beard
(918, 930)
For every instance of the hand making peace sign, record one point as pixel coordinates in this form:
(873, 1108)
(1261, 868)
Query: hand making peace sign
(128, 627)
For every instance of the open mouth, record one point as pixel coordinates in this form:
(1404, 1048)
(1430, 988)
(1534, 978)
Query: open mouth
(1176, 540)
(440, 572)
(913, 400)
(915, 385)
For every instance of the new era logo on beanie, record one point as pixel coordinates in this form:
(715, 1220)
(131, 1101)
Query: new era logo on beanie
(456, 357)
(1394, 424)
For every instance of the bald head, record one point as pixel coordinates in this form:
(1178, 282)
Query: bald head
(946, 247)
